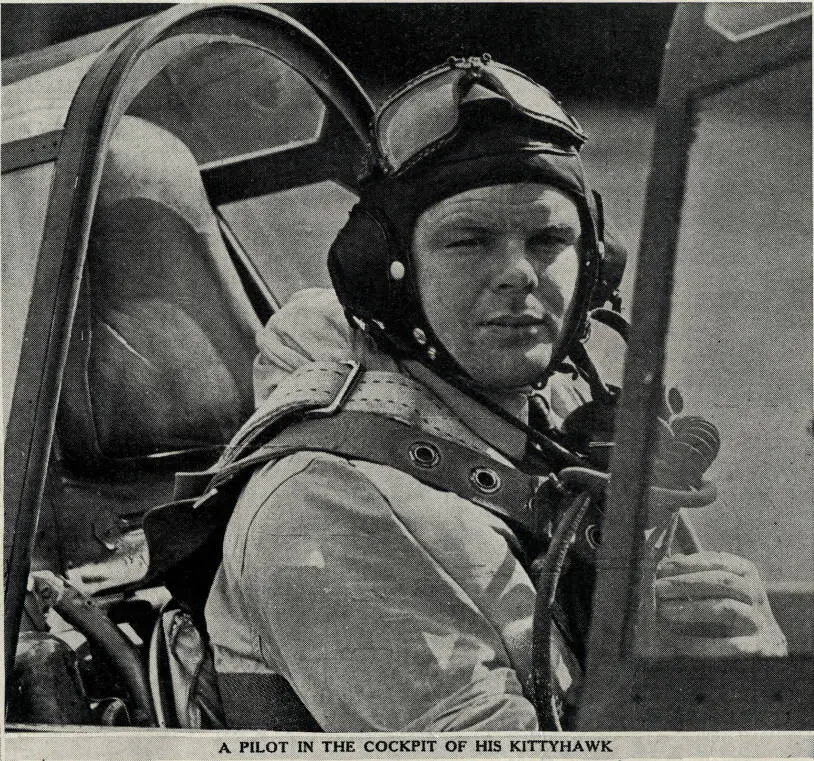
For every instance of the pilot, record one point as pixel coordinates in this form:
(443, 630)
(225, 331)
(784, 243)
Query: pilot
(363, 588)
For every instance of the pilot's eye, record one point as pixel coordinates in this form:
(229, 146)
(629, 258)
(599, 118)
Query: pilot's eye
(550, 239)
(467, 241)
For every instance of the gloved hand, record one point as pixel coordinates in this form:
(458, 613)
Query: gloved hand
(712, 604)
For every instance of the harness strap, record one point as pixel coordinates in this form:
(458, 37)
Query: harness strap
(436, 462)
(176, 530)
(321, 389)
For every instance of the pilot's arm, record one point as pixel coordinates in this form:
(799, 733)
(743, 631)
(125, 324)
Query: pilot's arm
(386, 604)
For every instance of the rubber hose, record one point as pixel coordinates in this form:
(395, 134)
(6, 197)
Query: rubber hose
(82, 614)
(546, 576)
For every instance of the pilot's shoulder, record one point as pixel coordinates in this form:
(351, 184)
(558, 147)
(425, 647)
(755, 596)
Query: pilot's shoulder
(308, 482)
(312, 487)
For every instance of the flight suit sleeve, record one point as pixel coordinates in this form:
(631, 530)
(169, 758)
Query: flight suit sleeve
(362, 611)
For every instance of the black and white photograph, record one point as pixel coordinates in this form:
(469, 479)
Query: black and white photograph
(388, 379)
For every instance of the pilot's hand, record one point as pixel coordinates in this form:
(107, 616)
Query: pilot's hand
(713, 604)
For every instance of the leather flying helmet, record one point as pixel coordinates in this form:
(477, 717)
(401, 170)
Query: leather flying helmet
(468, 124)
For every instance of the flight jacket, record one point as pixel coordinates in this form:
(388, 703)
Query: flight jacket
(382, 603)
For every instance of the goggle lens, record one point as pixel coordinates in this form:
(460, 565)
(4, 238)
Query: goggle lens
(418, 119)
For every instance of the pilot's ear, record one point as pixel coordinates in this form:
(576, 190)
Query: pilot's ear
(359, 263)
(612, 269)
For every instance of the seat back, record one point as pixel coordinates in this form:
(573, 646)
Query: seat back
(162, 348)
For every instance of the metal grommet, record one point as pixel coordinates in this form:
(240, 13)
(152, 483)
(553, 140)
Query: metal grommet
(424, 455)
(420, 336)
(397, 270)
(593, 536)
(485, 480)
(431, 352)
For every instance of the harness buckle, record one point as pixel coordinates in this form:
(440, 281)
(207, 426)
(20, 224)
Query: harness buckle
(354, 371)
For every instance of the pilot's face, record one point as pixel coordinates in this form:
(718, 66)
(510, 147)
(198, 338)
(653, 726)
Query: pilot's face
(497, 268)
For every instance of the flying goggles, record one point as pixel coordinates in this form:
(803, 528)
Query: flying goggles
(424, 114)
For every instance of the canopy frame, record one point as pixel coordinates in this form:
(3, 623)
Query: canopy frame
(621, 690)
(97, 107)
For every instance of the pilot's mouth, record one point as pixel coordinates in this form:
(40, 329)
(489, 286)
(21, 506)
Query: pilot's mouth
(523, 323)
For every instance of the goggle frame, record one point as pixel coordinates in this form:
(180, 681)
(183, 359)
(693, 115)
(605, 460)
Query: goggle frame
(473, 70)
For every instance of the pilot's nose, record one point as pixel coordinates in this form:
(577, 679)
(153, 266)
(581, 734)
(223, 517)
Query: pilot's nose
(515, 270)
